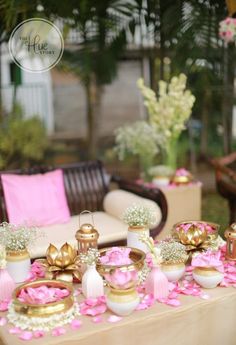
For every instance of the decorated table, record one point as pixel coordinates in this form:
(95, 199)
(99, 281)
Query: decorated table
(156, 295)
(196, 321)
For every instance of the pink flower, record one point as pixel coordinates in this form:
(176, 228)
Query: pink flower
(58, 331)
(182, 172)
(4, 305)
(209, 259)
(121, 279)
(149, 260)
(93, 306)
(42, 295)
(116, 256)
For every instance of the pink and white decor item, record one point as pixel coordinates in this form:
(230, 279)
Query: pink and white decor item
(7, 284)
(16, 240)
(156, 283)
(139, 218)
(208, 269)
(92, 282)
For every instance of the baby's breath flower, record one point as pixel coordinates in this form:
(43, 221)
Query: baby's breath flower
(90, 258)
(172, 252)
(16, 238)
(139, 215)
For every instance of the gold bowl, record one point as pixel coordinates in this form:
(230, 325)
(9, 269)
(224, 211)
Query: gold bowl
(195, 235)
(110, 272)
(43, 310)
(182, 179)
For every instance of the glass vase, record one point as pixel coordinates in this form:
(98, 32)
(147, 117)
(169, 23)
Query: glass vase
(171, 154)
(145, 162)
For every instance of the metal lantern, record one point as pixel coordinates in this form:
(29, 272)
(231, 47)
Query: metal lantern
(87, 235)
(230, 235)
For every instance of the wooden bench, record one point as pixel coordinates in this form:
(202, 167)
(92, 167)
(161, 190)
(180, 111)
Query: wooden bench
(86, 186)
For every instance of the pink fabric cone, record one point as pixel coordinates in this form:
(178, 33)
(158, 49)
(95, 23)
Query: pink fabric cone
(157, 284)
(7, 285)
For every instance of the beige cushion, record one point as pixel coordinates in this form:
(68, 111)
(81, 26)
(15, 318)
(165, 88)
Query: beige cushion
(110, 229)
(116, 202)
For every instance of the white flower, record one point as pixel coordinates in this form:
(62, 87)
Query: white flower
(139, 215)
(169, 113)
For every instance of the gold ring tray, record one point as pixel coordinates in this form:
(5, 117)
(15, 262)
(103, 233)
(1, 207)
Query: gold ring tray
(43, 310)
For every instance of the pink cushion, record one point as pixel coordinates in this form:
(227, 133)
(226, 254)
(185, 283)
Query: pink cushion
(36, 199)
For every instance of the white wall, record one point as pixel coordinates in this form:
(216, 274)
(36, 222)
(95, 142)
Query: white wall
(35, 93)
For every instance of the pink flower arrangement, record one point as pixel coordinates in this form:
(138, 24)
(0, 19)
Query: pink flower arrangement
(116, 256)
(182, 172)
(121, 279)
(209, 259)
(42, 295)
(200, 225)
(227, 29)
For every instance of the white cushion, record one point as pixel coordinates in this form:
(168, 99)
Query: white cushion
(117, 201)
(110, 229)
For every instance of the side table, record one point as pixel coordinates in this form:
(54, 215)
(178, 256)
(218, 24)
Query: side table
(184, 203)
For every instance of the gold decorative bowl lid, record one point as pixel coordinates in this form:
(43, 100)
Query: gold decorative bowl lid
(43, 310)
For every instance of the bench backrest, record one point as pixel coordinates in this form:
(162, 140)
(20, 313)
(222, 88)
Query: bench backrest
(85, 185)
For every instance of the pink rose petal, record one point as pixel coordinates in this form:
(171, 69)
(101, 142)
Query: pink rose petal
(4, 305)
(3, 321)
(39, 334)
(75, 324)
(15, 330)
(114, 318)
(97, 319)
(26, 335)
(58, 331)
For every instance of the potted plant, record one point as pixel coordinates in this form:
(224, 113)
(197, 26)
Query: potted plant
(16, 240)
(168, 113)
(139, 218)
(161, 175)
(174, 257)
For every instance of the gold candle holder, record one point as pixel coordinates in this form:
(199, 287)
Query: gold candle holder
(230, 235)
(87, 236)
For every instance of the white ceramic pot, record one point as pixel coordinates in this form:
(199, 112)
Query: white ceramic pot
(207, 277)
(173, 272)
(18, 265)
(92, 283)
(133, 237)
(122, 302)
(161, 181)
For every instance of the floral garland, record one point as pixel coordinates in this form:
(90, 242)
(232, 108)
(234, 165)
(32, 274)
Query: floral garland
(43, 324)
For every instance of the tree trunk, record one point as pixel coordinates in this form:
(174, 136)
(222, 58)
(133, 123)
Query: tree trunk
(93, 98)
(228, 97)
(204, 131)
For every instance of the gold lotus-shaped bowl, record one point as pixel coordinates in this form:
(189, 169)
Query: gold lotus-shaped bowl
(195, 235)
(182, 179)
(137, 257)
(43, 310)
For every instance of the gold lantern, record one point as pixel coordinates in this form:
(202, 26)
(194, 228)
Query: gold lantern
(230, 235)
(87, 235)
